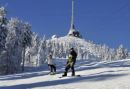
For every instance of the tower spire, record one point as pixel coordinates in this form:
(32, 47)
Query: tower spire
(72, 17)
(72, 27)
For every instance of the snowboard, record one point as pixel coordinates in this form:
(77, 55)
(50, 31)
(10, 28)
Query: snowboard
(76, 76)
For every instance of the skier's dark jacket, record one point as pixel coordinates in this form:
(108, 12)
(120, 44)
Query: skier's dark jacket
(74, 56)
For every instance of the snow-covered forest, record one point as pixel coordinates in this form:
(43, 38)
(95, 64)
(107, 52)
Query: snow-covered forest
(20, 47)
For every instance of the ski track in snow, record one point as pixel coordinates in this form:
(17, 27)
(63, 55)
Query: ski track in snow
(94, 75)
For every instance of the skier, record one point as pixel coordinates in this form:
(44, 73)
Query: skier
(70, 62)
(51, 64)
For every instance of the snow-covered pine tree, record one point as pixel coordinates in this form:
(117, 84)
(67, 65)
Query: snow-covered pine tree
(36, 54)
(32, 51)
(18, 37)
(13, 46)
(42, 56)
(29, 47)
(121, 53)
(3, 35)
(128, 55)
(26, 41)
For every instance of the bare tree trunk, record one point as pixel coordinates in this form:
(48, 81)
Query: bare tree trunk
(7, 66)
(23, 59)
(8, 61)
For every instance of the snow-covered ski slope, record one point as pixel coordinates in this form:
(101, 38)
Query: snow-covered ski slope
(94, 75)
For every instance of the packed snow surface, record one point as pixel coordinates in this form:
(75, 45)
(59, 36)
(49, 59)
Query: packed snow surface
(94, 75)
